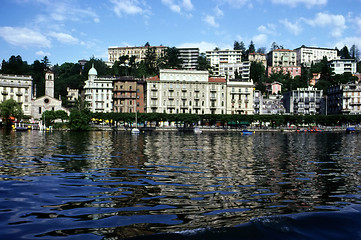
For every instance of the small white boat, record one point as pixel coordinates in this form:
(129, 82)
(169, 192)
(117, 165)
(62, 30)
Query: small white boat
(197, 130)
(135, 131)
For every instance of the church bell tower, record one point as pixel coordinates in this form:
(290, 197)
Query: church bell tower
(49, 84)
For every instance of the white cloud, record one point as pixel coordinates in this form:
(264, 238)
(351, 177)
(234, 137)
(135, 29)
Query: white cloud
(42, 53)
(65, 11)
(130, 7)
(203, 46)
(64, 38)
(260, 40)
(211, 21)
(24, 37)
(268, 29)
(336, 23)
(294, 28)
(218, 11)
(349, 41)
(178, 6)
(236, 3)
(308, 3)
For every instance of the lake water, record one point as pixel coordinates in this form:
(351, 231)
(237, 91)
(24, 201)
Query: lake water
(112, 185)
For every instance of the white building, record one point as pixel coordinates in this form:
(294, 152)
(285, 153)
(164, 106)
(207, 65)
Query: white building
(19, 88)
(186, 91)
(217, 57)
(309, 55)
(189, 57)
(344, 99)
(303, 101)
(47, 102)
(239, 97)
(229, 70)
(98, 92)
(341, 66)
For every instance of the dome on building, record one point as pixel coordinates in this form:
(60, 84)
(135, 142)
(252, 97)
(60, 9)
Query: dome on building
(93, 71)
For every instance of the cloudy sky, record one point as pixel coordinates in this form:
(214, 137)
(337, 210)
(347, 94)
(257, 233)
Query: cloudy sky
(69, 30)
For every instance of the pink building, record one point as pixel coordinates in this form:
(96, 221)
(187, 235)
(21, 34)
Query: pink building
(274, 88)
(292, 70)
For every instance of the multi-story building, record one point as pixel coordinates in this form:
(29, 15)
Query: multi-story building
(303, 101)
(344, 99)
(218, 57)
(229, 70)
(19, 88)
(128, 94)
(283, 60)
(258, 57)
(72, 96)
(139, 52)
(271, 104)
(239, 97)
(308, 55)
(189, 57)
(185, 91)
(99, 92)
(341, 66)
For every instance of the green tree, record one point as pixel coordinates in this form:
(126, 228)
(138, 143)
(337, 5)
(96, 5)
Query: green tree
(251, 48)
(150, 61)
(236, 45)
(99, 65)
(79, 120)
(258, 75)
(172, 58)
(344, 53)
(15, 65)
(203, 64)
(8, 109)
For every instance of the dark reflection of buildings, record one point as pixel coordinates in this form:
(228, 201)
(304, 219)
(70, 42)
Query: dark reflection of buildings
(200, 175)
(306, 170)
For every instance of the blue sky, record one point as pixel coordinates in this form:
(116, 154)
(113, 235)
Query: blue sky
(69, 30)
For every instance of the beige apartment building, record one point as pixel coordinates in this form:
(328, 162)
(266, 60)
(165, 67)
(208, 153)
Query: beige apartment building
(139, 52)
(19, 88)
(240, 97)
(344, 99)
(258, 57)
(186, 91)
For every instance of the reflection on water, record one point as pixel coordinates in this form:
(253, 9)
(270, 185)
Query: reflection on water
(112, 184)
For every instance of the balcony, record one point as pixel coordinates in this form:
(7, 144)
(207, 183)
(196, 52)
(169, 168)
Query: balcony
(196, 90)
(184, 107)
(213, 89)
(196, 107)
(154, 97)
(184, 89)
(4, 92)
(171, 89)
(170, 106)
(170, 97)
(19, 93)
(213, 98)
(154, 89)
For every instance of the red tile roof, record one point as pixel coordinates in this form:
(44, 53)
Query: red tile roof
(215, 79)
(155, 78)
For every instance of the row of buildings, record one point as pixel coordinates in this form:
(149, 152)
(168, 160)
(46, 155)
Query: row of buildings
(225, 63)
(196, 92)
(183, 91)
(20, 89)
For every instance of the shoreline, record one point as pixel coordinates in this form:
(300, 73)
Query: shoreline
(222, 130)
